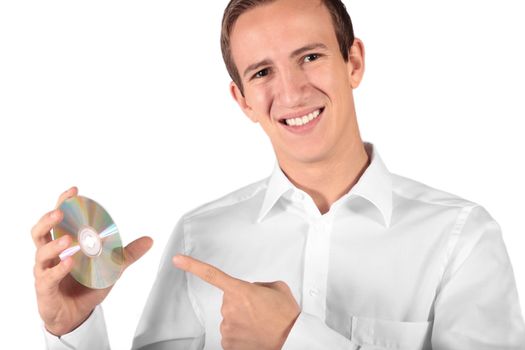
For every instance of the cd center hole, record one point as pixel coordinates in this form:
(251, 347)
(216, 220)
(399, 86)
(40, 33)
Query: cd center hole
(90, 242)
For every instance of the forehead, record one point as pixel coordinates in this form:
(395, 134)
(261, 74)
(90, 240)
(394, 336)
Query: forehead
(280, 27)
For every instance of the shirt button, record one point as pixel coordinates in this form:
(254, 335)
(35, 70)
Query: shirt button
(318, 226)
(313, 292)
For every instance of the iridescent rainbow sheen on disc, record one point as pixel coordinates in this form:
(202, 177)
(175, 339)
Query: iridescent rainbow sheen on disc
(99, 271)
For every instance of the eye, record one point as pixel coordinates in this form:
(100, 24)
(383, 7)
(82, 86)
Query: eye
(311, 57)
(262, 73)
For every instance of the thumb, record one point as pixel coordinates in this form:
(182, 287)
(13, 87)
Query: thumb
(136, 249)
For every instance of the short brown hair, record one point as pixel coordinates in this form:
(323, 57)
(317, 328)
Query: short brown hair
(340, 19)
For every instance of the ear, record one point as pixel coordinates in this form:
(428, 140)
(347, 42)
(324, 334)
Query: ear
(241, 101)
(356, 62)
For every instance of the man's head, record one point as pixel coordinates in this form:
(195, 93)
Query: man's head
(294, 64)
(341, 21)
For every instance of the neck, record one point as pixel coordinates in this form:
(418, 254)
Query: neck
(328, 180)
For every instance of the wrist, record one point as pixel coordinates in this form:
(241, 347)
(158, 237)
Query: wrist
(58, 330)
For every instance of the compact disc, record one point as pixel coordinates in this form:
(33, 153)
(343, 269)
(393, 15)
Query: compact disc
(96, 248)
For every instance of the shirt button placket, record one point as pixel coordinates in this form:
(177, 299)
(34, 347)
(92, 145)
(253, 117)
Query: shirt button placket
(314, 292)
(316, 268)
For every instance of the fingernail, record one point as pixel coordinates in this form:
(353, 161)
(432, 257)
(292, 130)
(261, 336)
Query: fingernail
(54, 214)
(63, 241)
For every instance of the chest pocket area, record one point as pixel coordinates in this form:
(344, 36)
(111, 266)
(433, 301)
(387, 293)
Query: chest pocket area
(373, 334)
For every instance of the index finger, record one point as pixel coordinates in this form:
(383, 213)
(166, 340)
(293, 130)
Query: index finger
(208, 273)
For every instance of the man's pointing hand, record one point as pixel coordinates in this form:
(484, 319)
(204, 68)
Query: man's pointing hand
(255, 315)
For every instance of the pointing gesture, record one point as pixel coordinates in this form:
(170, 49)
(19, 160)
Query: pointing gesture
(208, 273)
(255, 315)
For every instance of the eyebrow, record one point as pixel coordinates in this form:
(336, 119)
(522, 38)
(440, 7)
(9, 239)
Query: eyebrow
(295, 53)
(255, 66)
(310, 47)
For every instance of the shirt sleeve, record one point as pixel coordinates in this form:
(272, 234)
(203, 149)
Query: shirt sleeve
(477, 304)
(171, 318)
(91, 334)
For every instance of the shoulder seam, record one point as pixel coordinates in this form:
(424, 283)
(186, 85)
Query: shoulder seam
(453, 239)
(459, 205)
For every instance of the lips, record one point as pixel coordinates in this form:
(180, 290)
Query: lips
(300, 123)
(301, 118)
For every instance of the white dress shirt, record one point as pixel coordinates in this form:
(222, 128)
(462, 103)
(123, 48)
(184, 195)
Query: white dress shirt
(394, 264)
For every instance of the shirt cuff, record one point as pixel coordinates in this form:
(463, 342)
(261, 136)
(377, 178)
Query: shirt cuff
(310, 332)
(91, 334)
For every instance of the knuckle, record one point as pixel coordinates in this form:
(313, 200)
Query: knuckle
(57, 218)
(226, 343)
(39, 255)
(41, 226)
(226, 310)
(34, 231)
(43, 253)
(282, 285)
(222, 327)
(227, 334)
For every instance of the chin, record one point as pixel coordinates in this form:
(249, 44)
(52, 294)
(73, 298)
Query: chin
(309, 157)
(312, 152)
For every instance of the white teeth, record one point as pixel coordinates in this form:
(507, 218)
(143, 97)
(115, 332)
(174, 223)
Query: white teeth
(304, 119)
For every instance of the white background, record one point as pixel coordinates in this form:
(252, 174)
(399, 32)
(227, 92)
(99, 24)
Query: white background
(128, 100)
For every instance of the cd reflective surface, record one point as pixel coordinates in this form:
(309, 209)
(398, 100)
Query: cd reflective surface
(96, 248)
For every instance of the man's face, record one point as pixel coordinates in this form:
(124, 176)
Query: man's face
(296, 82)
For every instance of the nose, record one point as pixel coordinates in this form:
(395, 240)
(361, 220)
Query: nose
(291, 87)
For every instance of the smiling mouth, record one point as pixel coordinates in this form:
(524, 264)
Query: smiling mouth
(305, 119)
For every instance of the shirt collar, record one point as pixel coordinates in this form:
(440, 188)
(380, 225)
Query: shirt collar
(375, 185)
(277, 186)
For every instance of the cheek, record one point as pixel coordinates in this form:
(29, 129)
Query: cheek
(329, 80)
(260, 101)
(333, 82)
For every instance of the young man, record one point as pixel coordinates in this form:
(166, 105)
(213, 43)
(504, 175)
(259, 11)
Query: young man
(331, 251)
